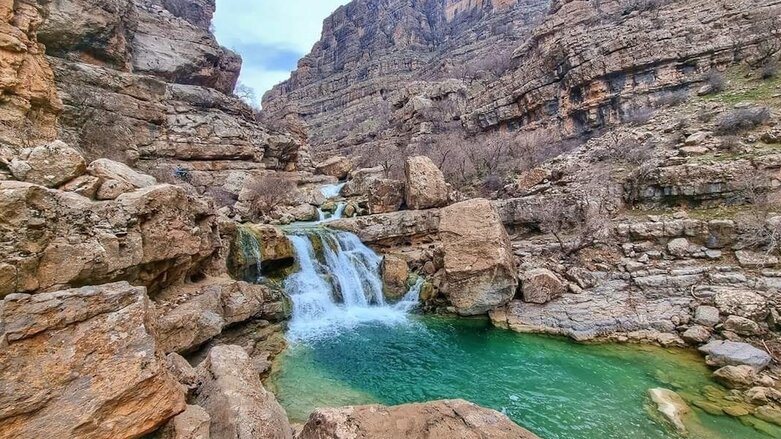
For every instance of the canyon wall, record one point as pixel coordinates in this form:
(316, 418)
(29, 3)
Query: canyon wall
(398, 72)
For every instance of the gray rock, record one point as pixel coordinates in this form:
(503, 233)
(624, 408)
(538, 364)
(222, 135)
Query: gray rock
(706, 316)
(678, 247)
(748, 259)
(743, 303)
(541, 286)
(730, 353)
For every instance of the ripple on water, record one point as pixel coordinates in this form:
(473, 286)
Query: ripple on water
(555, 388)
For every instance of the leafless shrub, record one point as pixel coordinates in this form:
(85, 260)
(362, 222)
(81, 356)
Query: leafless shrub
(579, 221)
(769, 69)
(758, 227)
(731, 144)
(634, 183)
(269, 192)
(715, 81)
(622, 148)
(222, 198)
(673, 98)
(742, 119)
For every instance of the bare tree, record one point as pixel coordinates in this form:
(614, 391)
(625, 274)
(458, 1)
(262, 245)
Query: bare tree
(759, 228)
(246, 94)
(268, 193)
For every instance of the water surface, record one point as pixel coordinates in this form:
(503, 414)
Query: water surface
(554, 387)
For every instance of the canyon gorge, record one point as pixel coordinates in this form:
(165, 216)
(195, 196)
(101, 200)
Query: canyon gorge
(456, 219)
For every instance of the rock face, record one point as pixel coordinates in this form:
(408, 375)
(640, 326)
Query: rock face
(480, 272)
(395, 273)
(83, 363)
(154, 237)
(434, 420)
(239, 406)
(425, 185)
(379, 78)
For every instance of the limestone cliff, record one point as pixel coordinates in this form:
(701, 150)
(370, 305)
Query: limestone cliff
(394, 72)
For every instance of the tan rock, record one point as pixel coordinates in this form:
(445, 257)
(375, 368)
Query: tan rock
(385, 196)
(110, 170)
(433, 420)
(479, 264)
(395, 273)
(531, 178)
(742, 326)
(337, 167)
(541, 286)
(193, 423)
(112, 189)
(51, 165)
(258, 248)
(736, 377)
(742, 303)
(234, 398)
(83, 363)
(425, 185)
(86, 185)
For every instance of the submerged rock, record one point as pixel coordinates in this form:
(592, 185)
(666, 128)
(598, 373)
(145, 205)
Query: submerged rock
(479, 263)
(730, 353)
(433, 420)
(234, 398)
(672, 406)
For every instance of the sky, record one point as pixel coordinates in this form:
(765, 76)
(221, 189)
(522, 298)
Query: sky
(270, 35)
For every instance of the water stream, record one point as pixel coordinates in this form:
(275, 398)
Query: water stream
(349, 346)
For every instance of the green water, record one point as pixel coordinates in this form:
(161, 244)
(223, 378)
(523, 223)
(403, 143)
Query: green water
(551, 386)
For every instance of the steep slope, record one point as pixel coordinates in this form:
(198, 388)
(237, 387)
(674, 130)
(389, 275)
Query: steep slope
(573, 66)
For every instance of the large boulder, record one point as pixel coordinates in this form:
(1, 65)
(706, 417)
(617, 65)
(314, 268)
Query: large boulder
(395, 273)
(83, 363)
(743, 303)
(730, 353)
(541, 286)
(239, 406)
(432, 420)
(152, 237)
(736, 377)
(193, 423)
(49, 165)
(479, 263)
(108, 170)
(337, 167)
(385, 195)
(191, 314)
(425, 184)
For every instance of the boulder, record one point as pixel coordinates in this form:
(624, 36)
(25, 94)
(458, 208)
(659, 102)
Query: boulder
(678, 247)
(106, 169)
(193, 423)
(83, 363)
(743, 303)
(736, 377)
(478, 259)
(730, 353)
(541, 286)
(768, 413)
(49, 165)
(86, 186)
(432, 420)
(425, 185)
(112, 189)
(742, 326)
(706, 316)
(190, 315)
(672, 406)
(338, 167)
(395, 273)
(234, 398)
(361, 180)
(385, 196)
(696, 334)
(749, 259)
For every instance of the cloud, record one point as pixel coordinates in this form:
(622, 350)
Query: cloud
(271, 35)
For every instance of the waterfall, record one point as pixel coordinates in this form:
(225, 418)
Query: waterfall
(338, 285)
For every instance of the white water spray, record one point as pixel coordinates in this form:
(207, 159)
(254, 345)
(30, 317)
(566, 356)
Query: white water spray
(338, 287)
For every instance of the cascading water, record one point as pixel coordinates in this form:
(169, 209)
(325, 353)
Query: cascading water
(338, 285)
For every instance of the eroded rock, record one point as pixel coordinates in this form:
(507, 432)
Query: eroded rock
(425, 185)
(433, 420)
(83, 363)
(541, 286)
(479, 264)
